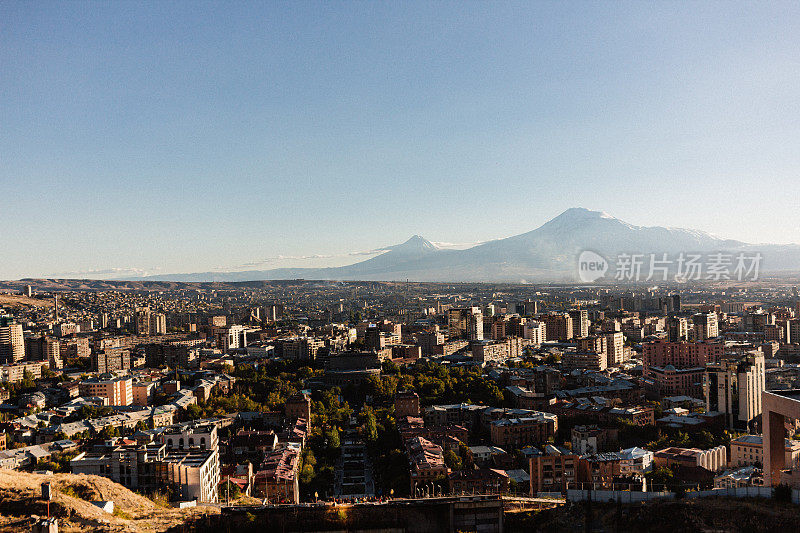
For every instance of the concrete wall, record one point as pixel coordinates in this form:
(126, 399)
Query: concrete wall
(624, 496)
(429, 515)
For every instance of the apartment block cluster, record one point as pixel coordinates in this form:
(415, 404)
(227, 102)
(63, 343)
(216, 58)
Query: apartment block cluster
(574, 367)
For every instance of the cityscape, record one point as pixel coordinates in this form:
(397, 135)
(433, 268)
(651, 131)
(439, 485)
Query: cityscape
(399, 267)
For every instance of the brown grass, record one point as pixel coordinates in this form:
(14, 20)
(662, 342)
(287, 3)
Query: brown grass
(73, 494)
(16, 300)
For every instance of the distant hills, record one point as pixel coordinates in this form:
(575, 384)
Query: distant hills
(548, 253)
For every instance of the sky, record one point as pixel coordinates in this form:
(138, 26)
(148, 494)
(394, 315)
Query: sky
(166, 137)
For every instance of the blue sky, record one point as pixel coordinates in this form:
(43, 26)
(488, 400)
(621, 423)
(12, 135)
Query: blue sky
(189, 136)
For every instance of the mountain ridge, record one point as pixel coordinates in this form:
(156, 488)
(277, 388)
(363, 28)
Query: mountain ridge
(547, 253)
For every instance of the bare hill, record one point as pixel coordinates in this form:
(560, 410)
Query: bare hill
(73, 494)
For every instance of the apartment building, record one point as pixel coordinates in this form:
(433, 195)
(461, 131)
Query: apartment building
(749, 450)
(118, 391)
(147, 468)
(465, 323)
(558, 326)
(12, 341)
(524, 431)
(556, 469)
(733, 386)
(406, 404)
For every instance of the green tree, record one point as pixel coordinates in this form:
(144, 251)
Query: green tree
(452, 460)
(332, 436)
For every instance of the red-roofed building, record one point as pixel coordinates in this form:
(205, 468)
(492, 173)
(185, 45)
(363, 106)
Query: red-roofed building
(427, 462)
(277, 479)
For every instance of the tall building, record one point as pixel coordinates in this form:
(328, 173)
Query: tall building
(580, 322)
(558, 326)
(111, 359)
(733, 386)
(141, 321)
(271, 313)
(535, 331)
(677, 329)
(465, 323)
(528, 308)
(158, 324)
(233, 338)
(705, 326)
(12, 341)
(615, 348)
(44, 349)
(594, 344)
(677, 368)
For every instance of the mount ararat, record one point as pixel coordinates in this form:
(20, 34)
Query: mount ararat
(548, 253)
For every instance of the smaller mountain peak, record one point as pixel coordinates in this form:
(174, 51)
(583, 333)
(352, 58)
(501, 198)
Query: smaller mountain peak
(416, 242)
(582, 213)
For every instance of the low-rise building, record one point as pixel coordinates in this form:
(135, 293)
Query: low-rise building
(427, 462)
(277, 478)
(635, 461)
(746, 476)
(553, 471)
(193, 472)
(406, 404)
(748, 450)
(587, 440)
(714, 459)
(519, 432)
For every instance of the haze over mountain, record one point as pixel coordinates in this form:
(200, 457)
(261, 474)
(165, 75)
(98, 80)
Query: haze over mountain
(548, 253)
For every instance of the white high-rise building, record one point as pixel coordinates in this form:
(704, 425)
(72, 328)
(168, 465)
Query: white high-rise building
(12, 341)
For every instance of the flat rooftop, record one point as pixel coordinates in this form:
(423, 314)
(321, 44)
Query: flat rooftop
(793, 394)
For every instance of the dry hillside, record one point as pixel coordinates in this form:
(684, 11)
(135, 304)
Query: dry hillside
(19, 500)
(17, 300)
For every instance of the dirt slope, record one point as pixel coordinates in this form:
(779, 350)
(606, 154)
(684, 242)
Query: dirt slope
(73, 494)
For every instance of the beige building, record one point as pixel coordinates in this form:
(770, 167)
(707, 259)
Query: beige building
(584, 360)
(118, 391)
(733, 386)
(193, 472)
(158, 324)
(749, 450)
(466, 322)
(705, 326)
(16, 372)
(535, 332)
(615, 348)
(12, 341)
